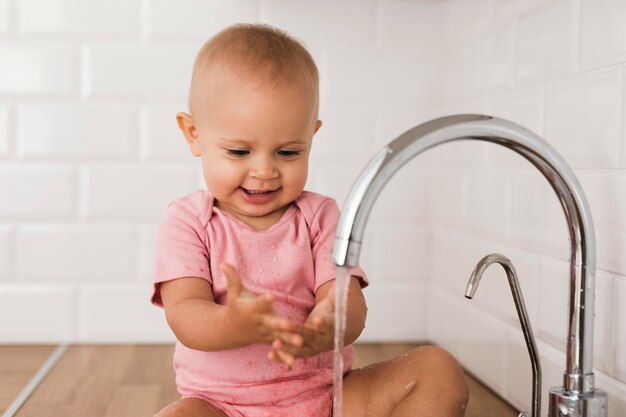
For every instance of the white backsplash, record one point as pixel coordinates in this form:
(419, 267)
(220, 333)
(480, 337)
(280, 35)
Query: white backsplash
(90, 156)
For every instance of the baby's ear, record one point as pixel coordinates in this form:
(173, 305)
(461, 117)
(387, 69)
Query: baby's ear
(187, 126)
(318, 124)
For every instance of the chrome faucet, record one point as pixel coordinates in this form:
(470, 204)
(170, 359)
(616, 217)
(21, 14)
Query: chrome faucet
(577, 397)
(522, 314)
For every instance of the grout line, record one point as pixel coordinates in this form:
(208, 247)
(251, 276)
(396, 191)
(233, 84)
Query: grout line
(32, 385)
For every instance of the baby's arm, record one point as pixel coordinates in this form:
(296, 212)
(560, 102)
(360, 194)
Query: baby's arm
(318, 331)
(201, 324)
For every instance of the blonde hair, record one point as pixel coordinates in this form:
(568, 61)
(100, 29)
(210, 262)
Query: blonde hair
(260, 51)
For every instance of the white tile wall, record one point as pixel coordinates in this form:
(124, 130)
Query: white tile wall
(595, 100)
(324, 22)
(129, 192)
(160, 139)
(69, 130)
(393, 76)
(544, 41)
(44, 191)
(4, 16)
(116, 18)
(603, 36)
(5, 252)
(25, 308)
(606, 193)
(619, 299)
(79, 253)
(138, 70)
(569, 88)
(117, 313)
(195, 19)
(34, 68)
(410, 23)
(4, 130)
(90, 156)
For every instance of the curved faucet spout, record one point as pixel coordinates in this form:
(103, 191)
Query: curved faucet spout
(578, 377)
(518, 299)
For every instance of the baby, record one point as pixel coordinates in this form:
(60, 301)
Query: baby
(243, 268)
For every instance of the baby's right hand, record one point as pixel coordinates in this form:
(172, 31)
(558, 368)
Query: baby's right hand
(254, 318)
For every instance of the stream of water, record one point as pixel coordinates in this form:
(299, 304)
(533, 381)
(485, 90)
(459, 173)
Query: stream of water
(341, 303)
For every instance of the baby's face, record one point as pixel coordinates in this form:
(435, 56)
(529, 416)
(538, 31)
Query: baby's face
(254, 140)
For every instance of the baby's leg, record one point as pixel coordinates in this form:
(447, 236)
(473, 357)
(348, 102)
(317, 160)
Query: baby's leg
(190, 407)
(425, 382)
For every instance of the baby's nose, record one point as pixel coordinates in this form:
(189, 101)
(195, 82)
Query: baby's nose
(264, 168)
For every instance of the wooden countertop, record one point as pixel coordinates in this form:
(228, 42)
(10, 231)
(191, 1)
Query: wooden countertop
(138, 380)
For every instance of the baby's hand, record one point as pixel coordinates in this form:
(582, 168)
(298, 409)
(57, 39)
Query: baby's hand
(255, 318)
(318, 334)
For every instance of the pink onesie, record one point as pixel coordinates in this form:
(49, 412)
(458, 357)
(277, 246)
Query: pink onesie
(291, 259)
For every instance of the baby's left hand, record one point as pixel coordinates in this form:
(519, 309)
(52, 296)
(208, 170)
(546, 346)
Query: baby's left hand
(318, 334)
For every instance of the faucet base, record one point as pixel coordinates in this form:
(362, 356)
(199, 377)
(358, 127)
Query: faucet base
(570, 404)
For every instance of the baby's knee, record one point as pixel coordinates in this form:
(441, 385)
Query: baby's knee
(441, 369)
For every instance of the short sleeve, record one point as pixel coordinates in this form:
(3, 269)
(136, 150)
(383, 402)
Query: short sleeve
(323, 229)
(181, 249)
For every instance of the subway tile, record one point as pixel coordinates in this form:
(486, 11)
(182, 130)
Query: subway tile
(35, 68)
(465, 18)
(453, 258)
(147, 240)
(403, 199)
(409, 23)
(616, 392)
(519, 372)
(21, 317)
(36, 191)
(133, 317)
(603, 322)
(554, 301)
(161, 140)
(491, 219)
(446, 192)
(5, 119)
(198, 19)
(619, 370)
(75, 252)
(138, 70)
(602, 33)
(6, 258)
(524, 107)
(586, 107)
(77, 130)
(304, 20)
(484, 347)
(346, 134)
(606, 195)
(392, 122)
(407, 312)
(5, 22)
(400, 251)
(544, 41)
(334, 180)
(114, 18)
(456, 73)
(537, 219)
(392, 77)
(492, 58)
(140, 192)
(446, 324)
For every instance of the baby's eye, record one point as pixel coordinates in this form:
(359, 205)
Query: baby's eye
(238, 153)
(288, 153)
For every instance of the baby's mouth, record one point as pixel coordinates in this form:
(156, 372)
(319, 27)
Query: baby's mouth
(258, 196)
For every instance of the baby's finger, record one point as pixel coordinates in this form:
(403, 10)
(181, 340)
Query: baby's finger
(233, 280)
(285, 358)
